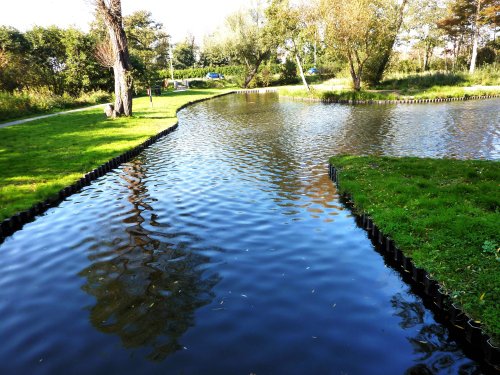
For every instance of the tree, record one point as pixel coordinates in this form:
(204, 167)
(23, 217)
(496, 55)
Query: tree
(213, 52)
(148, 46)
(423, 30)
(360, 30)
(289, 25)
(246, 40)
(111, 12)
(185, 53)
(13, 58)
(391, 12)
(47, 58)
(464, 21)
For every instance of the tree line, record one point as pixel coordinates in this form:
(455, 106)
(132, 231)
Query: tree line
(360, 35)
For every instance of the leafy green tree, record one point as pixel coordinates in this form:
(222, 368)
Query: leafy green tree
(13, 58)
(421, 28)
(246, 40)
(213, 52)
(288, 25)
(185, 53)
(464, 21)
(364, 32)
(47, 58)
(391, 13)
(148, 46)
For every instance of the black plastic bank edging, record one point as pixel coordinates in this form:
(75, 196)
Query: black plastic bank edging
(14, 223)
(422, 282)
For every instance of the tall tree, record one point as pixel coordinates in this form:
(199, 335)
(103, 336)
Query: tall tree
(422, 30)
(392, 13)
(289, 25)
(111, 12)
(185, 53)
(360, 30)
(247, 41)
(148, 46)
(464, 21)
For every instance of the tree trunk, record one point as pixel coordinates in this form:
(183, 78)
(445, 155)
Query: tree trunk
(122, 68)
(252, 72)
(476, 39)
(297, 58)
(356, 76)
(378, 63)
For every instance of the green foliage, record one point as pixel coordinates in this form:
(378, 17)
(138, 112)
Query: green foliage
(442, 213)
(60, 60)
(486, 76)
(29, 102)
(148, 48)
(185, 54)
(288, 72)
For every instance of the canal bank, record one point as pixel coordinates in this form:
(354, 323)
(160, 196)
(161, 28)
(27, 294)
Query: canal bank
(47, 160)
(438, 220)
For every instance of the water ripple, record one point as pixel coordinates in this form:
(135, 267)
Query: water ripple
(223, 248)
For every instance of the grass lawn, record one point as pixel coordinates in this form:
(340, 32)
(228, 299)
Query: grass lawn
(445, 214)
(39, 158)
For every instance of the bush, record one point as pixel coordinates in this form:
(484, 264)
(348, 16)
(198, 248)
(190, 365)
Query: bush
(30, 102)
(288, 73)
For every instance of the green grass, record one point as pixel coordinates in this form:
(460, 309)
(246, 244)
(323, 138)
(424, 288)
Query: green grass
(438, 92)
(445, 214)
(39, 158)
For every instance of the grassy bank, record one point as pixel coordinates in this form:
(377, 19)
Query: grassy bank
(28, 103)
(440, 92)
(445, 214)
(39, 158)
(431, 85)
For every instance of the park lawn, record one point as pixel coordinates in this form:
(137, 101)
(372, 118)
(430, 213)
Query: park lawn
(443, 213)
(39, 158)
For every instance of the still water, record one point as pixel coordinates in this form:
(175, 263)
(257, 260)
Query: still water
(223, 249)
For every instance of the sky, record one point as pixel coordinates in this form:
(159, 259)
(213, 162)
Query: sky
(179, 17)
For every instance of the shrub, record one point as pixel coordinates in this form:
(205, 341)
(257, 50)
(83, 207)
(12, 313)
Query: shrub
(29, 102)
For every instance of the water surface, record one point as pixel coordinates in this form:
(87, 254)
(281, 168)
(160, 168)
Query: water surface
(223, 249)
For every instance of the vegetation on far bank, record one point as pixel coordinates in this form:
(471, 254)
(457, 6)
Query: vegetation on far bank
(39, 158)
(27, 103)
(430, 85)
(445, 214)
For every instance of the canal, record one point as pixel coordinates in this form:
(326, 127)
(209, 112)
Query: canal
(223, 249)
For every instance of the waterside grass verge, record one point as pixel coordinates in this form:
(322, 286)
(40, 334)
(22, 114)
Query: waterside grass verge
(444, 214)
(367, 96)
(39, 158)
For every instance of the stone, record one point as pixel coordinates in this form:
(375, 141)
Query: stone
(109, 110)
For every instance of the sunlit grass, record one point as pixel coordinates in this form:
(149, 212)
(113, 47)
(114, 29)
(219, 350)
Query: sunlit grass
(39, 158)
(445, 214)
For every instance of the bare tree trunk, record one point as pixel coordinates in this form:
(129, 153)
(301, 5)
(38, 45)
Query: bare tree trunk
(476, 39)
(111, 11)
(299, 64)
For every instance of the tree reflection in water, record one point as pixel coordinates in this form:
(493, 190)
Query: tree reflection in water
(436, 352)
(146, 291)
